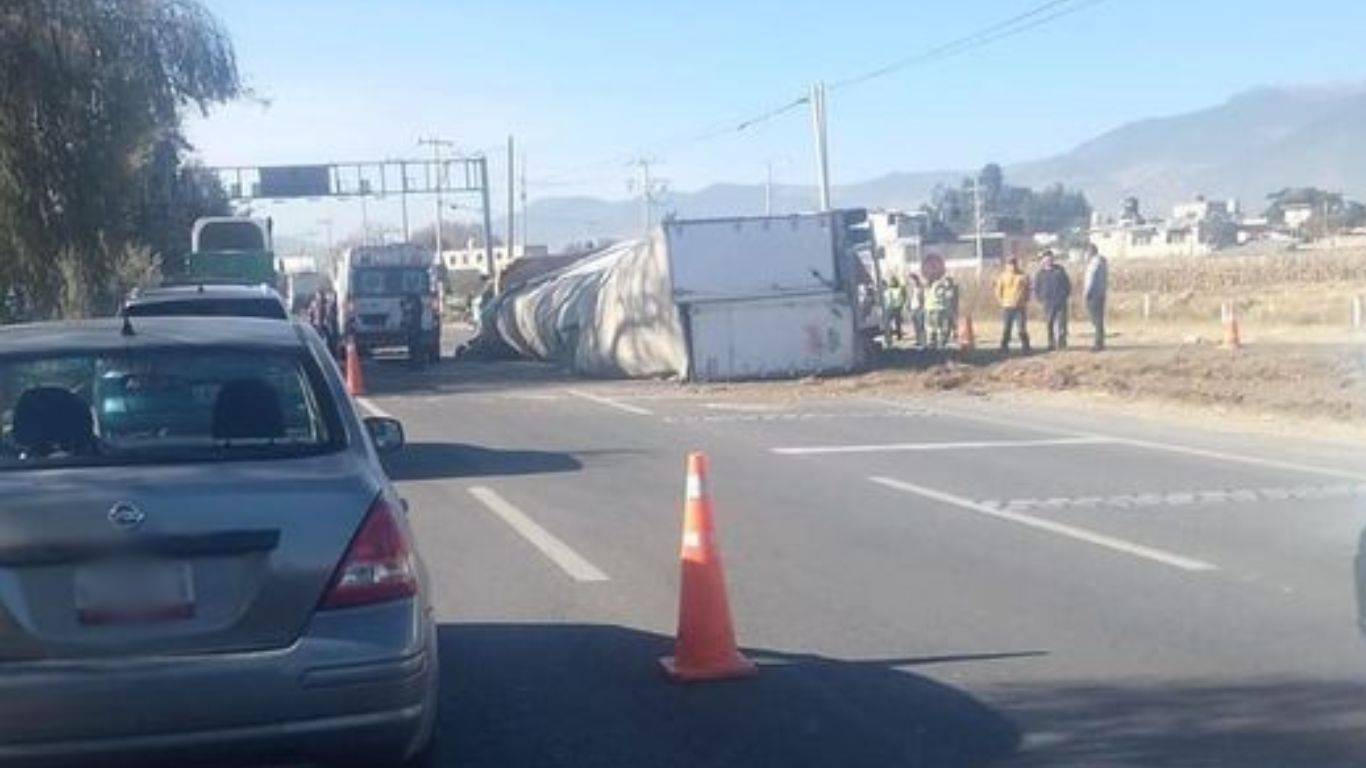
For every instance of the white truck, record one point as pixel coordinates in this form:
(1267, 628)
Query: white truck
(390, 296)
(706, 300)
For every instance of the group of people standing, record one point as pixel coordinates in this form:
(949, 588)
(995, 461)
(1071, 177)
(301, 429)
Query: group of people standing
(932, 309)
(1053, 287)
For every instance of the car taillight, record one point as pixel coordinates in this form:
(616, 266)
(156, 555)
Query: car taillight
(378, 566)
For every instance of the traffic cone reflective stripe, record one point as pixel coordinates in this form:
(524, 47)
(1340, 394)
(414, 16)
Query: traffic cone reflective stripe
(705, 648)
(355, 375)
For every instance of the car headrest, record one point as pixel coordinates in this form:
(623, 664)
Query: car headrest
(248, 409)
(52, 419)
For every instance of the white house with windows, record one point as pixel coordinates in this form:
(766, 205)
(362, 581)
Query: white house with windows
(1196, 228)
(473, 258)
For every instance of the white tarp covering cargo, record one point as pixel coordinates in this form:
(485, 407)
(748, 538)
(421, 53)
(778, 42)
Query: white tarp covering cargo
(706, 299)
(608, 315)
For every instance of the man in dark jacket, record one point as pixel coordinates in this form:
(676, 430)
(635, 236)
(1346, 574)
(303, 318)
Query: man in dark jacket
(1053, 287)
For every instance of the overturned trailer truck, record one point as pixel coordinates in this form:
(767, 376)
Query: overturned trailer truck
(703, 300)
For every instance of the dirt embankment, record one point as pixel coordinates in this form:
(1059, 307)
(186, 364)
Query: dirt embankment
(1310, 384)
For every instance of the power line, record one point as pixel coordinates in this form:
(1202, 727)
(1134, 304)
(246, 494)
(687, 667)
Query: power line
(1018, 24)
(1034, 17)
(568, 176)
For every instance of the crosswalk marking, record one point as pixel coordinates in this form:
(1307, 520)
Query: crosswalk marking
(1060, 529)
(1186, 498)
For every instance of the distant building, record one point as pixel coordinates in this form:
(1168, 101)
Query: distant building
(1196, 228)
(473, 258)
(897, 236)
(1298, 214)
(996, 248)
(901, 239)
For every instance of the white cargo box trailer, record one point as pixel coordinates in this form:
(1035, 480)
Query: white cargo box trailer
(762, 297)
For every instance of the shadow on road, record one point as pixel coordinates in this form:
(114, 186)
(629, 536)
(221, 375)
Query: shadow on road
(385, 376)
(1265, 723)
(436, 461)
(593, 695)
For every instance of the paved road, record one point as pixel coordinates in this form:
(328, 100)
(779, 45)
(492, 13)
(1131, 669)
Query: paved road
(924, 581)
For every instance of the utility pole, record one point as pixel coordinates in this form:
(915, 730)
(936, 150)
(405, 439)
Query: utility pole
(488, 219)
(364, 221)
(327, 224)
(521, 170)
(818, 127)
(436, 143)
(977, 219)
(403, 196)
(768, 188)
(648, 189)
(512, 200)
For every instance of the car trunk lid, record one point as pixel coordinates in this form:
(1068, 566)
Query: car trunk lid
(168, 559)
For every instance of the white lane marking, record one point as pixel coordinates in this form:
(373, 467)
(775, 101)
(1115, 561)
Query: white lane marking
(369, 407)
(800, 416)
(1184, 498)
(951, 446)
(560, 554)
(1071, 532)
(1239, 458)
(1014, 423)
(609, 402)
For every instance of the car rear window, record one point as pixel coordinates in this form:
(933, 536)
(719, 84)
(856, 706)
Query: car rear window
(263, 307)
(163, 406)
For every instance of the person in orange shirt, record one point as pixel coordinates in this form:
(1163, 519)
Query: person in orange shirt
(1012, 293)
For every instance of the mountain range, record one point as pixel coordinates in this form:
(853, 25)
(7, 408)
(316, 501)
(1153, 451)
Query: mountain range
(1254, 143)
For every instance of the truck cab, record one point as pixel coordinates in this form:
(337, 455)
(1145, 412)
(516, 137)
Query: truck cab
(390, 296)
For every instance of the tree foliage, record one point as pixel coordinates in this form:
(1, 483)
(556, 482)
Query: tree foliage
(92, 179)
(1006, 208)
(1329, 211)
(455, 235)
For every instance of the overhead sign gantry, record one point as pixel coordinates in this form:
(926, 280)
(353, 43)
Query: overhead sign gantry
(379, 178)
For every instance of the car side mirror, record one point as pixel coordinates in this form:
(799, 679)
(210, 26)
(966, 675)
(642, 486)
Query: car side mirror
(385, 433)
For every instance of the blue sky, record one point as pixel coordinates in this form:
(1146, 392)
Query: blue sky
(586, 84)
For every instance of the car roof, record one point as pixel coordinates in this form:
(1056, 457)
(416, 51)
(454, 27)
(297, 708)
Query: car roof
(205, 291)
(106, 334)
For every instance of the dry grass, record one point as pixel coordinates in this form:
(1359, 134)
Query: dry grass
(1282, 290)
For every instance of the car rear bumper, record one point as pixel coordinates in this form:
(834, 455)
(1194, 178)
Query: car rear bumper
(358, 682)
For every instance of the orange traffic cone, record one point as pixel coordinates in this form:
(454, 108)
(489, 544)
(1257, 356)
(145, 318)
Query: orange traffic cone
(355, 375)
(705, 649)
(1232, 338)
(967, 340)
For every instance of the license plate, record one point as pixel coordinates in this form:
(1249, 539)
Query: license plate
(134, 591)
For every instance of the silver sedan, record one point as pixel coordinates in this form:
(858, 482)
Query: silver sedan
(200, 554)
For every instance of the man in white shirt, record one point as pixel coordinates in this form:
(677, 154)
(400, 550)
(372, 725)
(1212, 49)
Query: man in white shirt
(1097, 286)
